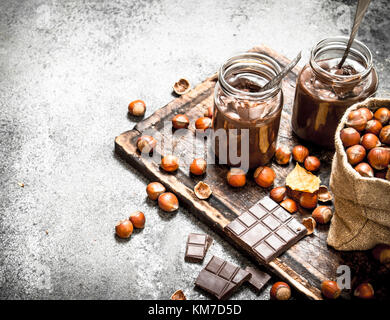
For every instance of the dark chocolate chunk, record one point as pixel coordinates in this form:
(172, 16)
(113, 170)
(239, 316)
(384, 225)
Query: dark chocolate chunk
(266, 230)
(197, 246)
(258, 278)
(221, 278)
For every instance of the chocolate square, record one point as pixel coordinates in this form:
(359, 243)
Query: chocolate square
(197, 246)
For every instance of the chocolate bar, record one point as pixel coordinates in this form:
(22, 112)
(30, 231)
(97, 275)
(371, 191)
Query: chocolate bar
(221, 278)
(266, 230)
(258, 278)
(197, 246)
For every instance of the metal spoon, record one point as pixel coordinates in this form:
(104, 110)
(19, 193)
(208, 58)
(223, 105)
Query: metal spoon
(282, 74)
(359, 15)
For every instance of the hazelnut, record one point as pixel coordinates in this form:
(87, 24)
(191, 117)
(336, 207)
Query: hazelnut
(367, 113)
(198, 166)
(137, 219)
(236, 177)
(382, 115)
(312, 163)
(154, 190)
(146, 144)
(373, 126)
(290, 205)
(310, 224)
(137, 108)
(300, 153)
(280, 291)
(124, 229)
(209, 112)
(385, 135)
(282, 155)
(356, 120)
(370, 141)
(364, 169)
(170, 163)
(181, 87)
(278, 194)
(382, 253)
(308, 200)
(264, 176)
(379, 158)
(324, 195)
(330, 289)
(356, 154)
(388, 174)
(178, 295)
(349, 137)
(364, 291)
(202, 190)
(203, 123)
(168, 202)
(322, 214)
(180, 121)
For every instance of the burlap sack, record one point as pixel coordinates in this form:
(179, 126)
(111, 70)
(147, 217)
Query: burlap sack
(362, 205)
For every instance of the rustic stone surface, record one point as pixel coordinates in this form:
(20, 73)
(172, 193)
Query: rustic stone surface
(67, 72)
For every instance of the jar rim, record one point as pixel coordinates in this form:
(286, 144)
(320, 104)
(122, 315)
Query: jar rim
(249, 58)
(340, 42)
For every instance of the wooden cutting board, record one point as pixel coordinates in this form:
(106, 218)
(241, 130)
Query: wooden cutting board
(307, 263)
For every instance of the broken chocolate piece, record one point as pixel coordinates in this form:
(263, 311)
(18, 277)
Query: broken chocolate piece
(197, 246)
(266, 230)
(221, 278)
(258, 278)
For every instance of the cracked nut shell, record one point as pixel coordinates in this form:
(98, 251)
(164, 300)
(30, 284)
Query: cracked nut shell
(202, 190)
(310, 224)
(182, 86)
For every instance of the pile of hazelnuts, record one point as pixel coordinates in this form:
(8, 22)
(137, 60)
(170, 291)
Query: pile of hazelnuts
(309, 201)
(366, 139)
(167, 201)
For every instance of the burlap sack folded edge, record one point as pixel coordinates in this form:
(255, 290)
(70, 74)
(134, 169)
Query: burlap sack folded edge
(362, 205)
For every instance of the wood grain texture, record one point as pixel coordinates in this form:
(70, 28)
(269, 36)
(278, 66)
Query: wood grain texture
(307, 263)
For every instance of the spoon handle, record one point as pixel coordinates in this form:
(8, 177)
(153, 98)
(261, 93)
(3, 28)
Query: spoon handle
(359, 15)
(283, 73)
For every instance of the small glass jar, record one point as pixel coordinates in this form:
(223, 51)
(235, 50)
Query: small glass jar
(324, 92)
(240, 104)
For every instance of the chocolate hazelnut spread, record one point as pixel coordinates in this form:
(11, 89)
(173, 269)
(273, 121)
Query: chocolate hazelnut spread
(240, 104)
(324, 92)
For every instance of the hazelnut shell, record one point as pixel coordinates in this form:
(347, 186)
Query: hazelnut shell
(202, 190)
(182, 86)
(178, 295)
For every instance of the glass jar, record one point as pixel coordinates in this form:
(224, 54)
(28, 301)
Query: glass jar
(241, 107)
(324, 92)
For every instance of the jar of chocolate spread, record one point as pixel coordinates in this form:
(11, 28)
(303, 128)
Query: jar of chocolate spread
(324, 92)
(248, 115)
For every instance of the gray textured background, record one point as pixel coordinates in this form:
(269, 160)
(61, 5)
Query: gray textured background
(68, 70)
